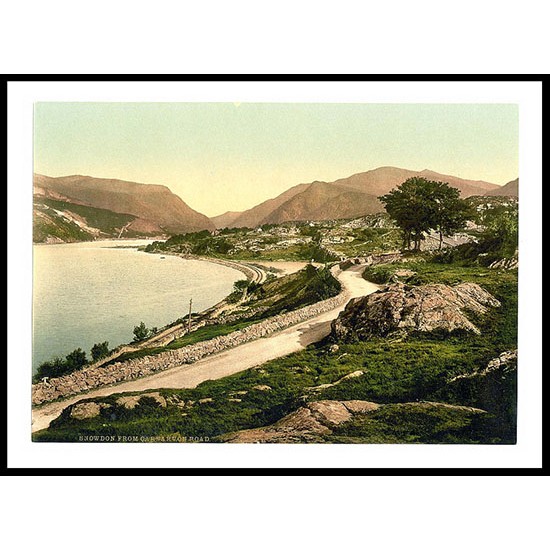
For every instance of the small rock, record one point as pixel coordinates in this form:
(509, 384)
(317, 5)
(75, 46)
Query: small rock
(82, 411)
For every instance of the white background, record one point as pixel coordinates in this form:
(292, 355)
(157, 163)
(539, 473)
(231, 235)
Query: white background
(120, 37)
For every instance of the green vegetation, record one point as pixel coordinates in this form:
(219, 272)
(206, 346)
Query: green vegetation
(400, 373)
(46, 227)
(414, 423)
(496, 239)
(48, 223)
(293, 241)
(288, 293)
(419, 205)
(291, 292)
(100, 350)
(76, 360)
(104, 220)
(420, 368)
(141, 332)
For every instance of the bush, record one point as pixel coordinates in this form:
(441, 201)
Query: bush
(100, 350)
(56, 367)
(141, 332)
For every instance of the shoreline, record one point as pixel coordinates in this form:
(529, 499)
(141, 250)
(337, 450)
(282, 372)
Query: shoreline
(289, 339)
(169, 327)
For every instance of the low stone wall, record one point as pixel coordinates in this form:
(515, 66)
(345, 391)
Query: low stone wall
(94, 377)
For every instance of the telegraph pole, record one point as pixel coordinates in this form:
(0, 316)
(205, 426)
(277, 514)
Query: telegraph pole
(189, 320)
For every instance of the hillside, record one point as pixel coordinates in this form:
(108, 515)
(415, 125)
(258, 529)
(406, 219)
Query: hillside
(347, 197)
(57, 221)
(511, 189)
(253, 217)
(155, 208)
(325, 201)
(225, 219)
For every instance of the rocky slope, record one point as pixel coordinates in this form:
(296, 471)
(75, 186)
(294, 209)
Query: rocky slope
(511, 189)
(316, 421)
(153, 206)
(426, 308)
(345, 198)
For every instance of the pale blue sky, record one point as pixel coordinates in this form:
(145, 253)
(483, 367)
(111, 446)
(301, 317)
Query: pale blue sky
(225, 156)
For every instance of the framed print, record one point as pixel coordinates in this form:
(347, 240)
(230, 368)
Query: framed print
(305, 274)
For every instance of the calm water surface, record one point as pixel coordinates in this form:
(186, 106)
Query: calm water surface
(86, 293)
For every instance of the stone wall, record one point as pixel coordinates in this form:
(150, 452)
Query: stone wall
(94, 377)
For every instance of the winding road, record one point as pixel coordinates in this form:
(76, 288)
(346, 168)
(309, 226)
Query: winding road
(228, 362)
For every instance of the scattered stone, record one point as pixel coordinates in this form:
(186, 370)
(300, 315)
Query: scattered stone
(505, 263)
(206, 400)
(131, 401)
(506, 361)
(261, 387)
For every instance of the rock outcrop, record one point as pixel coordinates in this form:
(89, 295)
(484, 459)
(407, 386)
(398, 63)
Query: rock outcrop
(507, 361)
(316, 420)
(83, 411)
(306, 425)
(398, 307)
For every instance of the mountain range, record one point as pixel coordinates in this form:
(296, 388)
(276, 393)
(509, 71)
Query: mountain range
(86, 208)
(349, 197)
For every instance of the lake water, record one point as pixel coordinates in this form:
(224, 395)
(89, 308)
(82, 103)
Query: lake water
(86, 293)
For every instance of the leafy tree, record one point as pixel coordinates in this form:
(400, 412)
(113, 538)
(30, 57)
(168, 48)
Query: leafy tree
(418, 206)
(501, 224)
(407, 205)
(450, 212)
(52, 369)
(100, 350)
(141, 332)
(75, 360)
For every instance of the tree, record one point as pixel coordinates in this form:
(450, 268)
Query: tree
(75, 360)
(408, 205)
(501, 229)
(100, 350)
(418, 206)
(141, 332)
(51, 369)
(450, 212)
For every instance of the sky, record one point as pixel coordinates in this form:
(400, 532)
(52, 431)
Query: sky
(232, 156)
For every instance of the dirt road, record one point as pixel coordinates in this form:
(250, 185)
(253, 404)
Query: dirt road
(234, 360)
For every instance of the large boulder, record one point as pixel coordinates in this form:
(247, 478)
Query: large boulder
(398, 307)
